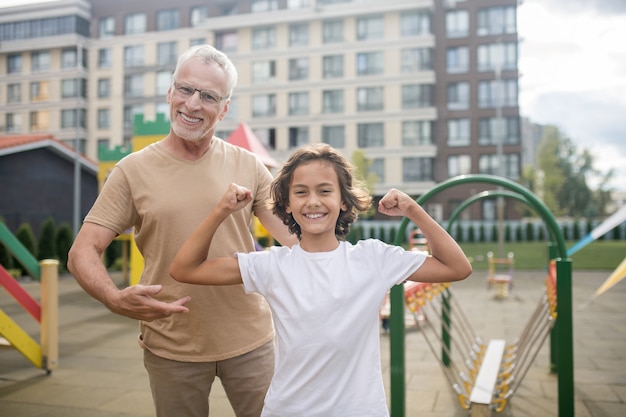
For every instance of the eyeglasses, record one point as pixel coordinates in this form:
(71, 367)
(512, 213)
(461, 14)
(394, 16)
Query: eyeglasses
(207, 97)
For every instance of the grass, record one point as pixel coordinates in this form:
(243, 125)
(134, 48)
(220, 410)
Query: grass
(598, 255)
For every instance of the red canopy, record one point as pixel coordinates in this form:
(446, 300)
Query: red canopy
(244, 137)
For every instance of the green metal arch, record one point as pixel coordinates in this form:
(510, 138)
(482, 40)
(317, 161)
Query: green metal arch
(481, 196)
(531, 200)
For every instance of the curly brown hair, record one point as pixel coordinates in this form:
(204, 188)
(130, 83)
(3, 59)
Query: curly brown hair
(354, 194)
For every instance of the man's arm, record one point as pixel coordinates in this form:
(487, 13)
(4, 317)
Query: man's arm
(277, 228)
(448, 262)
(85, 264)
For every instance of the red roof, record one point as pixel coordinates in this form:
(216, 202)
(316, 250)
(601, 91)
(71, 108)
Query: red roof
(244, 137)
(9, 141)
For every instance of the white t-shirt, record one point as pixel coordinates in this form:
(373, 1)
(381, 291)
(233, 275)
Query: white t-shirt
(325, 310)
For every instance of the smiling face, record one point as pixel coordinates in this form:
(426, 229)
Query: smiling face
(191, 118)
(315, 202)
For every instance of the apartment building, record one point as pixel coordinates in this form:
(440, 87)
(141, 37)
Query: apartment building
(426, 89)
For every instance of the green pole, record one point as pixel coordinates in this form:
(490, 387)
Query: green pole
(396, 341)
(15, 247)
(445, 325)
(565, 336)
(554, 333)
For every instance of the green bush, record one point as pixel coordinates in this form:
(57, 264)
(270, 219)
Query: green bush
(46, 246)
(63, 240)
(25, 236)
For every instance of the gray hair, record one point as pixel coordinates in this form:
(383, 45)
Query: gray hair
(209, 54)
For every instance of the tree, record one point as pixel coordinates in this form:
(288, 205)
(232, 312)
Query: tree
(362, 165)
(561, 178)
(46, 247)
(63, 240)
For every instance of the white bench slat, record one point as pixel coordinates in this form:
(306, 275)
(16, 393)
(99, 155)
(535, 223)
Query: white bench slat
(488, 373)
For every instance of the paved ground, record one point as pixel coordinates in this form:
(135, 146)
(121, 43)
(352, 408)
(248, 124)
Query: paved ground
(101, 372)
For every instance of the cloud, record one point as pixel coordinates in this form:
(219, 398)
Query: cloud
(573, 74)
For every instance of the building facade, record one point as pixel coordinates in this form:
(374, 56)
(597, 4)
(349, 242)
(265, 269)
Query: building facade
(425, 89)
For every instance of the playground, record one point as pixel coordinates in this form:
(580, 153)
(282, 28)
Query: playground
(522, 352)
(100, 372)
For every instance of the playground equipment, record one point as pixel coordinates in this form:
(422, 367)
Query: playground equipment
(45, 354)
(500, 273)
(486, 375)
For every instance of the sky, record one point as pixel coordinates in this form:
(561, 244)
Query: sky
(572, 63)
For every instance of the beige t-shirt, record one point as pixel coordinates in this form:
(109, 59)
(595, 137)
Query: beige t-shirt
(164, 198)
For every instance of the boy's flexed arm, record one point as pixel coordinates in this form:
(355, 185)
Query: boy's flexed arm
(191, 264)
(448, 262)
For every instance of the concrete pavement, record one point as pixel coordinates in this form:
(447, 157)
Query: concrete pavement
(101, 373)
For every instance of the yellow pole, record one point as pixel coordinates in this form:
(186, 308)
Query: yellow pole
(49, 314)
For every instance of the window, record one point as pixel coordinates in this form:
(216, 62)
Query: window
(134, 23)
(493, 93)
(40, 61)
(267, 137)
(377, 167)
(197, 41)
(370, 27)
(369, 98)
(226, 41)
(417, 132)
(163, 82)
(497, 55)
(488, 164)
(417, 59)
(167, 53)
(417, 169)
(14, 93)
(415, 23)
(457, 24)
(164, 109)
(458, 96)
(370, 135)
(496, 21)
(332, 66)
(14, 63)
(298, 136)
(332, 101)
(167, 19)
(13, 122)
(133, 56)
(198, 15)
(105, 58)
(39, 91)
(104, 143)
(263, 38)
(334, 136)
(259, 6)
(104, 118)
(416, 96)
(457, 60)
(39, 120)
(263, 72)
(129, 115)
(69, 119)
(133, 85)
(264, 105)
(298, 103)
(332, 31)
(298, 68)
(459, 165)
(104, 88)
(106, 27)
(297, 4)
(298, 34)
(74, 88)
(369, 63)
(489, 131)
(69, 58)
(459, 132)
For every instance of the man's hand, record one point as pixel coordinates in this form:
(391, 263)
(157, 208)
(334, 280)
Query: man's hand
(138, 302)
